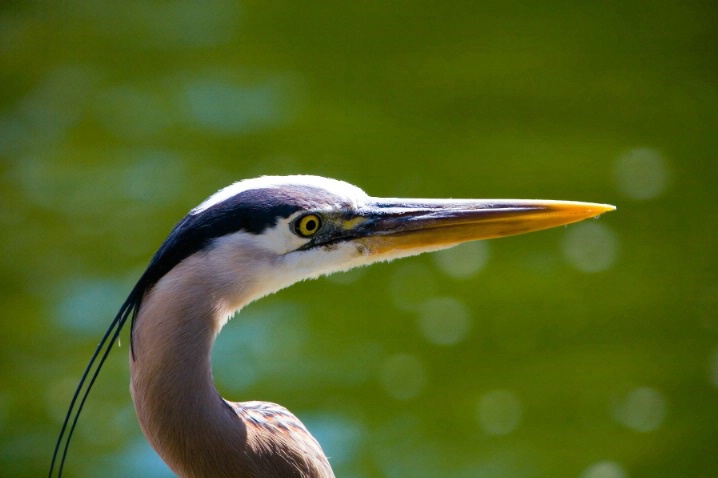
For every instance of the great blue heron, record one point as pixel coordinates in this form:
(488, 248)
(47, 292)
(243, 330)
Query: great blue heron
(246, 241)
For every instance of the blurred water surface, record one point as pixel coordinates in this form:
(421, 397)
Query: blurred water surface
(588, 351)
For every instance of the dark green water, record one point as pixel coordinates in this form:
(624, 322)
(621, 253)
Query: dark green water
(589, 351)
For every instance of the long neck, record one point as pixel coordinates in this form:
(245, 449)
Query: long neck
(180, 411)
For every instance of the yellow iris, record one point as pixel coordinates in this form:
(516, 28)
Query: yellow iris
(307, 226)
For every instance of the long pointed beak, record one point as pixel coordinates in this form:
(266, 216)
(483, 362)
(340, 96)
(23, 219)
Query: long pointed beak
(398, 227)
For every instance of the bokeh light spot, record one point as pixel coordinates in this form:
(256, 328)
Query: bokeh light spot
(263, 339)
(590, 246)
(464, 260)
(641, 173)
(643, 409)
(444, 320)
(499, 412)
(341, 436)
(81, 301)
(604, 469)
(403, 376)
(138, 459)
(227, 107)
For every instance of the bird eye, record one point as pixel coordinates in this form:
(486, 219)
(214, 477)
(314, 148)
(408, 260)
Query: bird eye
(307, 226)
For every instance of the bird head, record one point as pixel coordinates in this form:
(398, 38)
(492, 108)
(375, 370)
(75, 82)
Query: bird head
(260, 235)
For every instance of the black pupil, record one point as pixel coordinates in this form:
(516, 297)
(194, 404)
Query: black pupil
(311, 224)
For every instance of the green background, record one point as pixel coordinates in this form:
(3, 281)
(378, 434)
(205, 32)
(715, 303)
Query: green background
(588, 351)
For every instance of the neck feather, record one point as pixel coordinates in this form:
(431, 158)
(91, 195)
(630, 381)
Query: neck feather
(191, 427)
(181, 413)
